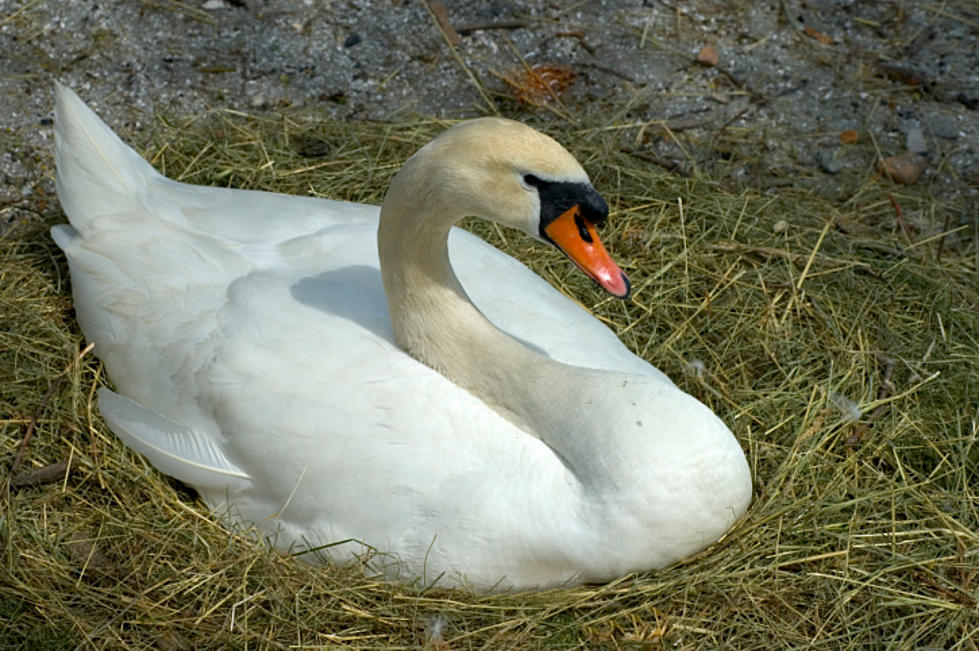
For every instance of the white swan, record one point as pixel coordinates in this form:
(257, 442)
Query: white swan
(516, 445)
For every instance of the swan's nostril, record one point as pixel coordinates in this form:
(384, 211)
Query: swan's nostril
(582, 228)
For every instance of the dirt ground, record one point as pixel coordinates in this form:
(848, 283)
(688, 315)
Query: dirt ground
(790, 77)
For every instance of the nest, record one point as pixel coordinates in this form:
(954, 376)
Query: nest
(841, 351)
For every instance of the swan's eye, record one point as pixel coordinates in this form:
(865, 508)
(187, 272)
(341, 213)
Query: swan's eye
(531, 180)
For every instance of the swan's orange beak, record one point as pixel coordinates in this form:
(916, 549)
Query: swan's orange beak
(579, 240)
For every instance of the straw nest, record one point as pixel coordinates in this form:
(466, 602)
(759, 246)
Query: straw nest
(841, 348)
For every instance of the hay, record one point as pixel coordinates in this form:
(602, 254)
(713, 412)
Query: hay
(841, 351)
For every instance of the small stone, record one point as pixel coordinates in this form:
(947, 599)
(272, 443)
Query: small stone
(903, 168)
(849, 136)
(828, 161)
(915, 140)
(258, 100)
(945, 126)
(780, 226)
(215, 4)
(708, 56)
(352, 40)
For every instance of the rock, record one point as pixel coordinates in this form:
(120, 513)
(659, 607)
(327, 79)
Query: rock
(903, 168)
(945, 126)
(828, 161)
(708, 56)
(915, 140)
(849, 136)
(352, 40)
(779, 226)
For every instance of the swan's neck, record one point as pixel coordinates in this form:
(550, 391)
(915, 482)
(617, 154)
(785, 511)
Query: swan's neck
(435, 321)
(433, 318)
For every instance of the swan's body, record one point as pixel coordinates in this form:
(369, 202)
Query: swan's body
(251, 345)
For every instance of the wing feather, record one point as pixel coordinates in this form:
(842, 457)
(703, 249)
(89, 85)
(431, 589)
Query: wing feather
(173, 449)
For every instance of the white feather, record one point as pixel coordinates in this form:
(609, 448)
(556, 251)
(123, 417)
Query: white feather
(249, 339)
(175, 450)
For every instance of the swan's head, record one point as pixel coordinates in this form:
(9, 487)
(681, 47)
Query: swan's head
(507, 172)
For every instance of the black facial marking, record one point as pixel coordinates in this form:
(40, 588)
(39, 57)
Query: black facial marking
(557, 197)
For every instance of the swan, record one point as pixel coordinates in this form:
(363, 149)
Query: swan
(321, 371)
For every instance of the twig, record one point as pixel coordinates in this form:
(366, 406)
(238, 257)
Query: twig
(900, 218)
(941, 242)
(11, 16)
(953, 595)
(468, 28)
(965, 576)
(734, 79)
(40, 409)
(903, 74)
(681, 123)
(609, 70)
(941, 12)
(578, 34)
(30, 426)
(690, 121)
(758, 100)
(479, 87)
(442, 18)
(49, 473)
(812, 255)
(666, 163)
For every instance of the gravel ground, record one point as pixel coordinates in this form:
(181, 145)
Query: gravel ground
(791, 76)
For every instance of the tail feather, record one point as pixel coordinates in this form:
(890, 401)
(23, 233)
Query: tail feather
(63, 234)
(98, 173)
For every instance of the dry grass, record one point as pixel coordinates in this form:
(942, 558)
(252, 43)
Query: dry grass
(842, 353)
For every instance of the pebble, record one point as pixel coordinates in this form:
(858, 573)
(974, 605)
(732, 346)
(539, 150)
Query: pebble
(945, 126)
(829, 161)
(903, 168)
(264, 43)
(708, 56)
(915, 140)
